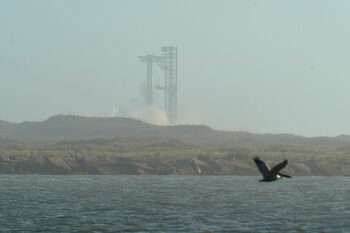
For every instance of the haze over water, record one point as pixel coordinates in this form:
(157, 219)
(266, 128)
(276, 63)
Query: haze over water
(246, 65)
(173, 204)
(259, 66)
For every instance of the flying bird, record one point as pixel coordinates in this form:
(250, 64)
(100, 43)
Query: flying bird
(270, 174)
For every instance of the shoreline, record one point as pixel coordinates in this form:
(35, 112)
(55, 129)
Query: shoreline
(200, 166)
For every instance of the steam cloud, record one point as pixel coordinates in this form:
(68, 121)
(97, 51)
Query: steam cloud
(139, 110)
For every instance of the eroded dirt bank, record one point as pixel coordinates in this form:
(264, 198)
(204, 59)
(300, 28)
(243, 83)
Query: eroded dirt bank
(201, 165)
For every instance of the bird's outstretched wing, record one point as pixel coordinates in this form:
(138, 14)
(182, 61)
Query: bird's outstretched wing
(275, 170)
(263, 167)
(284, 175)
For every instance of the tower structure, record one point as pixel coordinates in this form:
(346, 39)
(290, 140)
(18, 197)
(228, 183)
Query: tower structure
(170, 82)
(168, 63)
(149, 90)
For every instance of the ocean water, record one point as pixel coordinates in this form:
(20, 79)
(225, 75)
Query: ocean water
(37, 203)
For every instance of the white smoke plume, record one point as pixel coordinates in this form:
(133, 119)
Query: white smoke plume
(151, 115)
(114, 112)
(139, 110)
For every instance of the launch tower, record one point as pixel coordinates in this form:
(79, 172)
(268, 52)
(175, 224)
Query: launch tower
(168, 63)
(170, 82)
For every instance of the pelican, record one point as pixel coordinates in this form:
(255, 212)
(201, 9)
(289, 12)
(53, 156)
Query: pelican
(270, 174)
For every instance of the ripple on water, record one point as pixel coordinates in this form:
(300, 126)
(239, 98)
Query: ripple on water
(173, 204)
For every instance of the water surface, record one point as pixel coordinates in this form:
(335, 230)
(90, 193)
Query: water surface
(173, 204)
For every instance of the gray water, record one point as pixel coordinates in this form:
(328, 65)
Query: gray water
(33, 203)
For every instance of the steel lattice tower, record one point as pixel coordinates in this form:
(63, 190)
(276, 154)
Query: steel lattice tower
(168, 63)
(170, 84)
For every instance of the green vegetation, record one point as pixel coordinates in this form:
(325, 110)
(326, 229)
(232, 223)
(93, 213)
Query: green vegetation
(150, 155)
(80, 145)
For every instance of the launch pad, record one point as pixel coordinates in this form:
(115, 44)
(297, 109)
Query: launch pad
(167, 62)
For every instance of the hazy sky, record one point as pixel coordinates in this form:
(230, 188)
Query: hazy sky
(260, 66)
